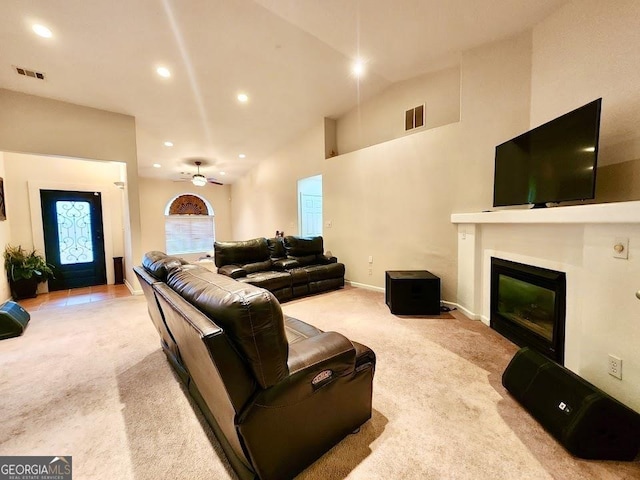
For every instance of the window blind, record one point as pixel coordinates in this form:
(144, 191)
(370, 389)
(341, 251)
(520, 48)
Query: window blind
(189, 233)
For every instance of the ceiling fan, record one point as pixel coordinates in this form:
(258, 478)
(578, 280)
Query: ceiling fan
(200, 180)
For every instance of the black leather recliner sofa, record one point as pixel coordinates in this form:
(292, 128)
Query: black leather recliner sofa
(289, 267)
(277, 392)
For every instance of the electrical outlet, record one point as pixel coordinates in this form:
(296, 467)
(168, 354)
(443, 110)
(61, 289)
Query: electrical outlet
(615, 366)
(370, 271)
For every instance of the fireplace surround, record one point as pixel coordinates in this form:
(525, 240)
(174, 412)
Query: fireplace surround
(528, 306)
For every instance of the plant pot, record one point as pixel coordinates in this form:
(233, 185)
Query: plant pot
(24, 288)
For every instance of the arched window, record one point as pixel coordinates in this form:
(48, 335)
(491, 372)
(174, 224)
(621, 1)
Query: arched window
(189, 225)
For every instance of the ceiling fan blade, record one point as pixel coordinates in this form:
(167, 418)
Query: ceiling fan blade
(213, 180)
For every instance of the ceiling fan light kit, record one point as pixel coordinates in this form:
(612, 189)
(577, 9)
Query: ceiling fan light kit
(199, 180)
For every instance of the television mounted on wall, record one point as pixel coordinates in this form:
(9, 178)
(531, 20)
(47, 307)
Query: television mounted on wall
(555, 162)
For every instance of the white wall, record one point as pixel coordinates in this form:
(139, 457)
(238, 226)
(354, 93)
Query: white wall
(156, 194)
(26, 175)
(37, 125)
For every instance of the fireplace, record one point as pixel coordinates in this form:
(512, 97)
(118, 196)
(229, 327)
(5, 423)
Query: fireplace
(528, 306)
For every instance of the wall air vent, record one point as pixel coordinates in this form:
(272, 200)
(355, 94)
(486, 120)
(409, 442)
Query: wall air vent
(29, 73)
(414, 118)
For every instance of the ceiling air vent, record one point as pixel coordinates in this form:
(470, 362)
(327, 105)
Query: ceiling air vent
(29, 73)
(414, 118)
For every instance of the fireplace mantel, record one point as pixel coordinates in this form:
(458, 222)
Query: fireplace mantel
(602, 308)
(618, 212)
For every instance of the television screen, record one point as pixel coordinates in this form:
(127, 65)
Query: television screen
(554, 162)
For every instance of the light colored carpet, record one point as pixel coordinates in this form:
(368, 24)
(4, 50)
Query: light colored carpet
(91, 381)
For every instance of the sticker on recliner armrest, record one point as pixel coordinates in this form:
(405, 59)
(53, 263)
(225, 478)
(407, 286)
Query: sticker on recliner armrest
(321, 378)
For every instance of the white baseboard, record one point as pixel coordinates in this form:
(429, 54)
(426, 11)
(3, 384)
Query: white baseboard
(365, 286)
(131, 289)
(468, 313)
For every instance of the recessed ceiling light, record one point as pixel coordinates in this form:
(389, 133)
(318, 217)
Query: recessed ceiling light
(242, 155)
(168, 144)
(42, 31)
(163, 72)
(156, 165)
(223, 173)
(243, 97)
(358, 68)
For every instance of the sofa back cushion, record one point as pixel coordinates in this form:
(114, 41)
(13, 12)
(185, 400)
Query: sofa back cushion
(276, 247)
(241, 253)
(250, 316)
(304, 250)
(159, 264)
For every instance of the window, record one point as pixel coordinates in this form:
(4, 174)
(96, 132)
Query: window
(189, 225)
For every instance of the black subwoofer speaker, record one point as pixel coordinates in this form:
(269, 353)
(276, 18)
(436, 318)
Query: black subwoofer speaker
(585, 420)
(13, 320)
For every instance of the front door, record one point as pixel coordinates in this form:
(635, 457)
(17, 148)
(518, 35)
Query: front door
(73, 238)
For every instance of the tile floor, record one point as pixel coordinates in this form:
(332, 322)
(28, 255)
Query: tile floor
(76, 296)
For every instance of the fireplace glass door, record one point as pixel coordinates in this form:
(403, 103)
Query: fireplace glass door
(528, 305)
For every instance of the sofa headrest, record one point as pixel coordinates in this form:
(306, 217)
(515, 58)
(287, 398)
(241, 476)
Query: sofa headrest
(249, 315)
(276, 247)
(159, 264)
(303, 246)
(240, 253)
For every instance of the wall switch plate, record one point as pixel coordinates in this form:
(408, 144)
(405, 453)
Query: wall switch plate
(621, 248)
(615, 366)
(370, 258)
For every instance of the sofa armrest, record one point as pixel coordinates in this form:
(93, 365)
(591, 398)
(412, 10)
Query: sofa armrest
(285, 264)
(233, 271)
(313, 363)
(324, 259)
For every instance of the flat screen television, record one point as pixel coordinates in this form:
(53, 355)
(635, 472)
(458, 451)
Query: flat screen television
(555, 162)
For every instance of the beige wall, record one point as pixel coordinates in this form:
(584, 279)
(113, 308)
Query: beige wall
(5, 237)
(495, 95)
(586, 50)
(36, 125)
(393, 200)
(618, 182)
(156, 194)
(265, 200)
(26, 175)
(381, 118)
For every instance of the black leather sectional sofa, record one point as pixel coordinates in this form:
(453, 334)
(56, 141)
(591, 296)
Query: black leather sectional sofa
(288, 267)
(277, 392)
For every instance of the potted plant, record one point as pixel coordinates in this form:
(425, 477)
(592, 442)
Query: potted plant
(25, 270)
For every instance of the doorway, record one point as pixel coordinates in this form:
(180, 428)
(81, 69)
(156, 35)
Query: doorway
(310, 206)
(73, 238)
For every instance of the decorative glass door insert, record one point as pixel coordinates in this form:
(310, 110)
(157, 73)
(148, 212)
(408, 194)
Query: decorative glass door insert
(74, 232)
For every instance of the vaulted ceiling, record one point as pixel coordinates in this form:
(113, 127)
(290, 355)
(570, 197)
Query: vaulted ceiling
(291, 58)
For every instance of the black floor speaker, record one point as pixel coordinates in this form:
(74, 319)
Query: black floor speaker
(585, 420)
(13, 320)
